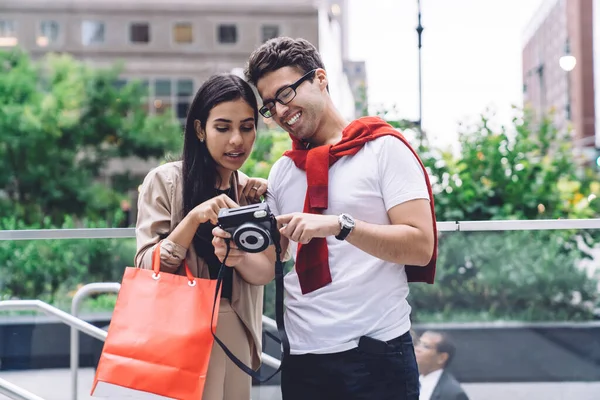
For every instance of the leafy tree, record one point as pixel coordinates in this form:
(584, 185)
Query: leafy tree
(60, 124)
(268, 148)
(526, 171)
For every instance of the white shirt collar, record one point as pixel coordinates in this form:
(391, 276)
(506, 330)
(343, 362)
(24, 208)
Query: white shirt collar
(428, 383)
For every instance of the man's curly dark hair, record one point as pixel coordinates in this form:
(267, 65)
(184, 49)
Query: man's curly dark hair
(282, 52)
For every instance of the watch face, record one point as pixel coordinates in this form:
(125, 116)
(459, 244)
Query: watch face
(347, 220)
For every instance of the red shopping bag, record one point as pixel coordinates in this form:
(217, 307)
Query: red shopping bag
(159, 339)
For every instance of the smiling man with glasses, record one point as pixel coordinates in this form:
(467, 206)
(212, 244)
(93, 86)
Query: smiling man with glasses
(283, 96)
(355, 207)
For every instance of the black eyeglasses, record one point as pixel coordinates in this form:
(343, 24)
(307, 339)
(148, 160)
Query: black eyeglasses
(284, 96)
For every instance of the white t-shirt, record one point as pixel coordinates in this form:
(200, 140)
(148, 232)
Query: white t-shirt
(367, 296)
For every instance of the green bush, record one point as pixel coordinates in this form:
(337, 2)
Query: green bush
(46, 269)
(518, 275)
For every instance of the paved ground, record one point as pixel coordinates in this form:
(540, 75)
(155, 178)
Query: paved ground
(55, 385)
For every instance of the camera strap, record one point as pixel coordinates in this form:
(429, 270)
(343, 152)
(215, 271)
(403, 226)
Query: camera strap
(278, 309)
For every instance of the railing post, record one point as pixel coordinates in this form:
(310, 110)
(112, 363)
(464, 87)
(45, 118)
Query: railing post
(80, 295)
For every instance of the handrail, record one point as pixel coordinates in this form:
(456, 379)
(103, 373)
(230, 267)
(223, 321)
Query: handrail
(528, 225)
(269, 322)
(84, 233)
(80, 295)
(38, 305)
(445, 226)
(15, 392)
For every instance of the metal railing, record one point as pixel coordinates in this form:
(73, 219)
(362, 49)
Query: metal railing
(122, 233)
(80, 295)
(446, 226)
(65, 317)
(15, 392)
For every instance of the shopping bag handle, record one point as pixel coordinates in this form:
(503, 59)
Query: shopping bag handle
(278, 310)
(156, 265)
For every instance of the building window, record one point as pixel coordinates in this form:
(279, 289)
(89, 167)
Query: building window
(165, 95)
(49, 31)
(8, 33)
(269, 32)
(183, 33)
(92, 32)
(162, 87)
(184, 93)
(139, 32)
(227, 34)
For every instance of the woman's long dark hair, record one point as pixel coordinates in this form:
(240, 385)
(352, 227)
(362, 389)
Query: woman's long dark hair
(200, 176)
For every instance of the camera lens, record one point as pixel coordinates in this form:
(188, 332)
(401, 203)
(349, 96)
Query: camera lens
(251, 240)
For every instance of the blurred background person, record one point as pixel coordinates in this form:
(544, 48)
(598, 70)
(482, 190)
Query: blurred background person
(434, 352)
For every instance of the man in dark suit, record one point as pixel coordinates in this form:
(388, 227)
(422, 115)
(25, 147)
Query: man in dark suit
(434, 353)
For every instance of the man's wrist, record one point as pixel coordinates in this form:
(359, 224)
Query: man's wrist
(337, 228)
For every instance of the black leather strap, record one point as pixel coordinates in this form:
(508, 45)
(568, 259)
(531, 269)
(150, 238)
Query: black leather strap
(344, 232)
(278, 310)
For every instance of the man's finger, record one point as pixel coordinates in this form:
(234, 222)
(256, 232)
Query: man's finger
(284, 219)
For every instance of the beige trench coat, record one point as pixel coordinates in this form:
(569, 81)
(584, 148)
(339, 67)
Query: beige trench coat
(160, 209)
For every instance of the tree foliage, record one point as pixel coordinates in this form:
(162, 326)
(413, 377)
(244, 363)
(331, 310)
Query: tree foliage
(61, 122)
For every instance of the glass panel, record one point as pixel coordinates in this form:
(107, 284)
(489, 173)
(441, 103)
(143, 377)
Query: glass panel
(182, 109)
(518, 307)
(227, 34)
(8, 33)
(183, 33)
(140, 33)
(92, 32)
(49, 31)
(185, 87)
(524, 276)
(162, 87)
(269, 32)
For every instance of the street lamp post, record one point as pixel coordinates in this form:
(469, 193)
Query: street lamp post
(419, 33)
(567, 62)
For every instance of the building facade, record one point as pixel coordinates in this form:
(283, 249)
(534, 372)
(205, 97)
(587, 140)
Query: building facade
(173, 46)
(558, 67)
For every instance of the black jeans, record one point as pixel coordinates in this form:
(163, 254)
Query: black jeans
(375, 370)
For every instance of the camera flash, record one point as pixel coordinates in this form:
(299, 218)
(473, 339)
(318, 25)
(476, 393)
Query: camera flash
(260, 214)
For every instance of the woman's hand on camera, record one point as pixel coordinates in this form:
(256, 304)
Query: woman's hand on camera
(209, 210)
(254, 189)
(235, 257)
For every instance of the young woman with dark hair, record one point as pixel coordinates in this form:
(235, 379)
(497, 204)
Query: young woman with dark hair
(178, 207)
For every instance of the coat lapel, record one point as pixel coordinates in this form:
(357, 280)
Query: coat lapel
(437, 392)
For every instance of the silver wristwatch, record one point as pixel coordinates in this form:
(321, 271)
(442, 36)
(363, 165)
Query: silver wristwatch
(346, 225)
